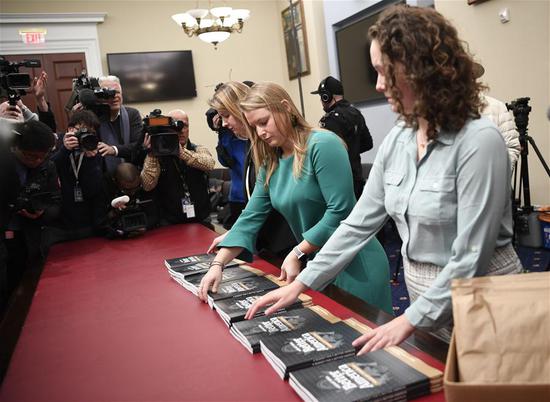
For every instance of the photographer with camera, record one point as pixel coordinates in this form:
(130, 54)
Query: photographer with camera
(120, 126)
(232, 150)
(180, 181)
(38, 199)
(133, 209)
(79, 165)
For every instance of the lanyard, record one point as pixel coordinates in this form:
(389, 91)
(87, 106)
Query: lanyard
(183, 183)
(73, 164)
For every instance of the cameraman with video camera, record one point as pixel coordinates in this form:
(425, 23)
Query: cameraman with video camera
(79, 165)
(179, 178)
(120, 126)
(133, 210)
(14, 84)
(37, 201)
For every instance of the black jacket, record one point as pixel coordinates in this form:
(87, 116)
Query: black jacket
(175, 177)
(348, 123)
(91, 212)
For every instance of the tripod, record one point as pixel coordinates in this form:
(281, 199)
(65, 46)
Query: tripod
(525, 219)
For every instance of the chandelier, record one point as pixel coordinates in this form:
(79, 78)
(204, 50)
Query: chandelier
(214, 25)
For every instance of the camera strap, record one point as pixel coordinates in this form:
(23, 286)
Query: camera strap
(78, 196)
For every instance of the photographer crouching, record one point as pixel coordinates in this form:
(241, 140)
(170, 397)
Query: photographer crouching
(133, 210)
(36, 198)
(176, 168)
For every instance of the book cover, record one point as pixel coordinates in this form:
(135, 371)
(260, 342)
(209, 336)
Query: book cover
(308, 347)
(200, 261)
(372, 377)
(233, 310)
(434, 375)
(243, 287)
(229, 274)
(251, 332)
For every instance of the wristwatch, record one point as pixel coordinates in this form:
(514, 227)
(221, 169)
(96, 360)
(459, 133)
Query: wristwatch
(299, 253)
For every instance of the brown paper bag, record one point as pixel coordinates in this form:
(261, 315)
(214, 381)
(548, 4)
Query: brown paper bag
(502, 328)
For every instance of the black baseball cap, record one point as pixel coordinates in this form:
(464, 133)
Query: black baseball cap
(331, 85)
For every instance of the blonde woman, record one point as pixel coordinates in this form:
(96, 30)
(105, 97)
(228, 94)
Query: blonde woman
(305, 175)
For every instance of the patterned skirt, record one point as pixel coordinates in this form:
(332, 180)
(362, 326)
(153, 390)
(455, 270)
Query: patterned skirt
(419, 276)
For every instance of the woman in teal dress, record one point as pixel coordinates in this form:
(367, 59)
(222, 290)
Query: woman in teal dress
(305, 175)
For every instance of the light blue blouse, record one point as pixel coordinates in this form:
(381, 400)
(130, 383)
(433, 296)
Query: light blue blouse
(452, 208)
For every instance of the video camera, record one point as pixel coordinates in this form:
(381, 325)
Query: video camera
(164, 133)
(14, 84)
(521, 109)
(35, 197)
(130, 221)
(89, 93)
(87, 139)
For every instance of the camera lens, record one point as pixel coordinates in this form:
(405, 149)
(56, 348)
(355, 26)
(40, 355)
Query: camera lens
(88, 142)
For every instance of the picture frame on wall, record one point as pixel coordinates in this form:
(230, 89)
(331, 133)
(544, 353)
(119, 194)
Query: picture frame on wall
(290, 40)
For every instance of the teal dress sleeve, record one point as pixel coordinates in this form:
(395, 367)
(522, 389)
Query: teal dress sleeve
(330, 164)
(248, 225)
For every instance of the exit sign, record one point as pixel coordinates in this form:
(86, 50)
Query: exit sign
(33, 36)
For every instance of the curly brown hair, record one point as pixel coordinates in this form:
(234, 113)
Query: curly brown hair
(436, 64)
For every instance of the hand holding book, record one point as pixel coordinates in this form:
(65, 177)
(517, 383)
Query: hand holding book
(389, 334)
(280, 298)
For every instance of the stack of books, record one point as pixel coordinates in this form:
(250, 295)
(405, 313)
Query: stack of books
(390, 374)
(251, 332)
(191, 282)
(234, 309)
(244, 287)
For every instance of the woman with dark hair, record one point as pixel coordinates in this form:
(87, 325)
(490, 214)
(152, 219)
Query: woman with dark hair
(303, 173)
(442, 174)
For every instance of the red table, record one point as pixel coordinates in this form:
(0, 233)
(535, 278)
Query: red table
(108, 324)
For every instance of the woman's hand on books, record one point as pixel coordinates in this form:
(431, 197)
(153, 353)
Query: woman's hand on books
(282, 297)
(290, 268)
(210, 281)
(215, 242)
(390, 334)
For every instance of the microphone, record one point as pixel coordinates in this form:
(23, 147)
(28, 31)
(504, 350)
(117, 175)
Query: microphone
(87, 97)
(124, 199)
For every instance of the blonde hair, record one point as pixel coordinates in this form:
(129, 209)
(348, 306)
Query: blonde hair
(290, 123)
(227, 98)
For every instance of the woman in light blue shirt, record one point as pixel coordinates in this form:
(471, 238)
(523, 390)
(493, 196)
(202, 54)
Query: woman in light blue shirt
(442, 174)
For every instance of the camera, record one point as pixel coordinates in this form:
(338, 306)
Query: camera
(213, 123)
(164, 133)
(521, 109)
(89, 93)
(35, 197)
(87, 139)
(14, 84)
(129, 222)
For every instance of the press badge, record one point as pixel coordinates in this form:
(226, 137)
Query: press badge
(187, 206)
(78, 197)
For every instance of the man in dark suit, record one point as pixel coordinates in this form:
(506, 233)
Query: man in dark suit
(121, 133)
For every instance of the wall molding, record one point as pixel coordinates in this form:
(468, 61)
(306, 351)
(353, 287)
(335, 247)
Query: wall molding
(66, 33)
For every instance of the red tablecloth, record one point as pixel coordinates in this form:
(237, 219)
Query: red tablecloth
(108, 324)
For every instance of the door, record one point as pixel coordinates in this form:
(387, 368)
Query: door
(61, 69)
